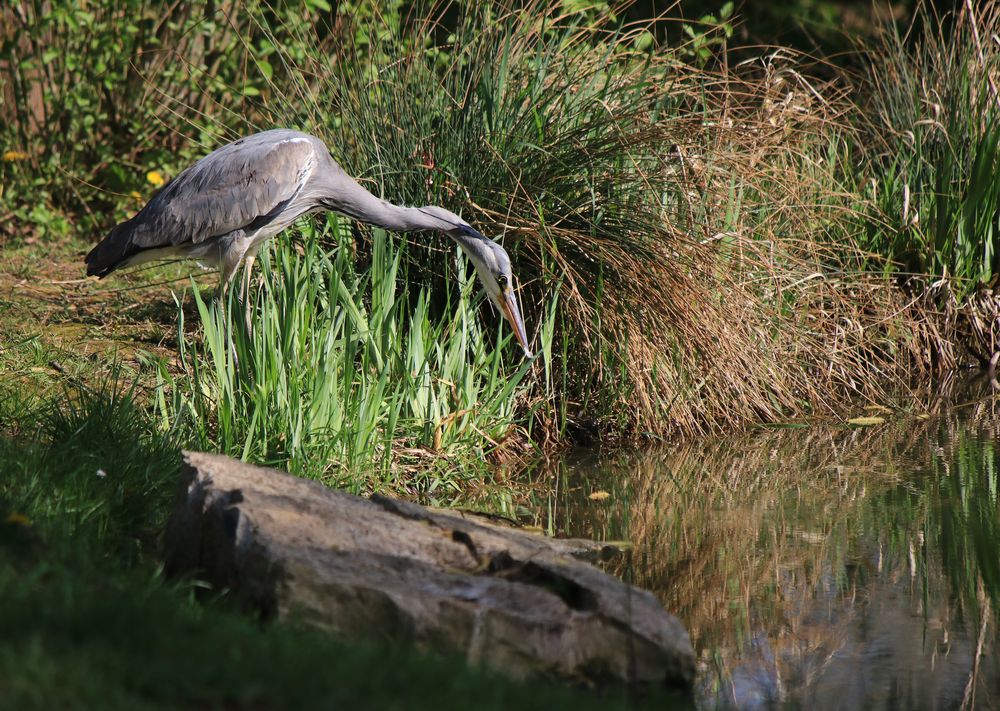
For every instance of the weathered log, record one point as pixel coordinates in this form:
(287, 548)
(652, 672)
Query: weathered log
(514, 601)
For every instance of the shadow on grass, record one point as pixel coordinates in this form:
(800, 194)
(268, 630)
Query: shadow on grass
(88, 620)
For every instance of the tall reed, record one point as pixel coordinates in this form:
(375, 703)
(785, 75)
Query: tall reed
(346, 375)
(934, 135)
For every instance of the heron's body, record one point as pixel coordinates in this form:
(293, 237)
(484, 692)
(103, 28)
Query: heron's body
(223, 208)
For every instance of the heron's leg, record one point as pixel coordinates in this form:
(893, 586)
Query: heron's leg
(230, 255)
(225, 276)
(229, 264)
(247, 269)
(220, 290)
(245, 288)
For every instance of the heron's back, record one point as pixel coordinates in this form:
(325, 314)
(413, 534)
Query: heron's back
(255, 183)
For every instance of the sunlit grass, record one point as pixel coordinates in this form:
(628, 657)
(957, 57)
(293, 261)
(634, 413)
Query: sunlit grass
(692, 230)
(351, 376)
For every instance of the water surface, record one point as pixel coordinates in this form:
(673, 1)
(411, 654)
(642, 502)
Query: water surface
(819, 567)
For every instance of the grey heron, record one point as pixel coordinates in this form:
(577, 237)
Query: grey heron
(220, 211)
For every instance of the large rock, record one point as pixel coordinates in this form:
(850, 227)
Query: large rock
(384, 568)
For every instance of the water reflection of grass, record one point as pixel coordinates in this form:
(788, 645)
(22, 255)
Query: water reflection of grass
(795, 557)
(967, 529)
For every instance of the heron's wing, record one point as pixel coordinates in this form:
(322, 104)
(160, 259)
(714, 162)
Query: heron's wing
(243, 183)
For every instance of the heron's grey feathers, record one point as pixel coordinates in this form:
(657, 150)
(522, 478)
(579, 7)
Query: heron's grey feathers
(241, 186)
(221, 209)
(247, 191)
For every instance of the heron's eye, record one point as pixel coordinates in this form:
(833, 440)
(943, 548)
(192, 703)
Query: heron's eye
(502, 280)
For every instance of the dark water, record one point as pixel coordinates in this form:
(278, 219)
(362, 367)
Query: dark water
(823, 567)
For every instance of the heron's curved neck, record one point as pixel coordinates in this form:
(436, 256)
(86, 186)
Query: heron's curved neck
(382, 213)
(352, 200)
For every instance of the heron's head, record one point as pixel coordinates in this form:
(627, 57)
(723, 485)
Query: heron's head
(492, 267)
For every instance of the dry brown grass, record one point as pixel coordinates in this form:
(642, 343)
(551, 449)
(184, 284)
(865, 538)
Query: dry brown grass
(732, 310)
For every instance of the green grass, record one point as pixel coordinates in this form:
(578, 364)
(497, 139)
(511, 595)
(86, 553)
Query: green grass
(84, 638)
(88, 620)
(353, 377)
(935, 140)
(98, 95)
(534, 125)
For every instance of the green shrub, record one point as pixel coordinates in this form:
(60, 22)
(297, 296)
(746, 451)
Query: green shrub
(98, 95)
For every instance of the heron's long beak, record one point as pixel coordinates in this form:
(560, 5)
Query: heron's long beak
(508, 303)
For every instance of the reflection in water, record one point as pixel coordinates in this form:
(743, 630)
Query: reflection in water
(823, 567)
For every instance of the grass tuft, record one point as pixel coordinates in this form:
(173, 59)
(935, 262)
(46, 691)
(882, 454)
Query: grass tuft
(935, 139)
(347, 376)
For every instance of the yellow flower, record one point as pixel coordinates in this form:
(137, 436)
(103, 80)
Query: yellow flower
(154, 178)
(13, 156)
(18, 519)
(135, 194)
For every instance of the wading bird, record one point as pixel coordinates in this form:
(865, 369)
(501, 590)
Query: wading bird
(224, 207)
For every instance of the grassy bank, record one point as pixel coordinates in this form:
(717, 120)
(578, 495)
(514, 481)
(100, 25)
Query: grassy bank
(90, 623)
(700, 245)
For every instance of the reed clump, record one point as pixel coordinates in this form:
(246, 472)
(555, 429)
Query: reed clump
(339, 375)
(929, 143)
(695, 226)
